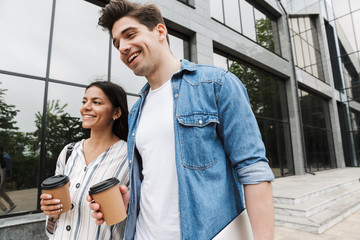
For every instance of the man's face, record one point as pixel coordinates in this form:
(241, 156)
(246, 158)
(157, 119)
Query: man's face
(138, 46)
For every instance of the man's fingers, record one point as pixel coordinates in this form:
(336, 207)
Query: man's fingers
(97, 215)
(94, 206)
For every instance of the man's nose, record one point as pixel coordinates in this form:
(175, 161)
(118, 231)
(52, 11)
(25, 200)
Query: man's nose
(124, 47)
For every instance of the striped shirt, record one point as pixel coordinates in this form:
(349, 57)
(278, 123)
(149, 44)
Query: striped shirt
(77, 223)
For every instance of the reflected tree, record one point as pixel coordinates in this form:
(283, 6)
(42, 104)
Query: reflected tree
(15, 144)
(57, 133)
(264, 33)
(263, 91)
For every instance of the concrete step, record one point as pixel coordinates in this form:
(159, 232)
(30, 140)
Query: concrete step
(310, 190)
(323, 220)
(316, 204)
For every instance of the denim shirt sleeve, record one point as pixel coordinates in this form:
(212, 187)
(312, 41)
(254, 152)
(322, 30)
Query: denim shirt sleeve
(240, 133)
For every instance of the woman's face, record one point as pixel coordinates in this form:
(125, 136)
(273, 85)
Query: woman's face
(97, 111)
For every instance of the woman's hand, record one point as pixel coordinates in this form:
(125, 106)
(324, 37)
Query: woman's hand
(50, 207)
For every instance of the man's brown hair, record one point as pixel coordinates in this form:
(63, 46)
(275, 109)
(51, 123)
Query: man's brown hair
(146, 14)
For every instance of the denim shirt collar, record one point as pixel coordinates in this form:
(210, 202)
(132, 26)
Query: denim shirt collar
(185, 66)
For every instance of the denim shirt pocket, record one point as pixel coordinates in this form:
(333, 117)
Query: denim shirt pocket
(197, 133)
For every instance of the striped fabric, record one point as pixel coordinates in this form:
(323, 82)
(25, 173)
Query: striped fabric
(78, 223)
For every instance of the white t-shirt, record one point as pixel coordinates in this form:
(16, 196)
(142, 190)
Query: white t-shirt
(158, 217)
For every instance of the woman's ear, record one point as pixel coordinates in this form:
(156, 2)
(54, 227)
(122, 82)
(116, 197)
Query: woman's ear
(117, 112)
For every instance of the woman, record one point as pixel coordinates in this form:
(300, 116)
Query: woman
(103, 155)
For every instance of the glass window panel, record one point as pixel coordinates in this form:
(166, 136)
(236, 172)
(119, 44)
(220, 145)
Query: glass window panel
(177, 46)
(19, 137)
(294, 25)
(299, 52)
(315, 71)
(216, 10)
(356, 19)
(355, 5)
(220, 61)
(24, 31)
(238, 69)
(307, 23)
(80, 52)
(301, 24)
(247, 19)
(310, 37)
(63, 114)
(312, 55)
(345, 28)
(305, 48)
(261, 25)
(232, 17)
(341, 7)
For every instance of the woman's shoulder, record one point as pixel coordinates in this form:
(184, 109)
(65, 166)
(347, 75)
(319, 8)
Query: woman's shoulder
(121, 144)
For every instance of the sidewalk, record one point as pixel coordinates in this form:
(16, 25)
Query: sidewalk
(348, 229)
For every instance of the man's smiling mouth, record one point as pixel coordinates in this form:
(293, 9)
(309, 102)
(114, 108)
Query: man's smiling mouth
(131, 58)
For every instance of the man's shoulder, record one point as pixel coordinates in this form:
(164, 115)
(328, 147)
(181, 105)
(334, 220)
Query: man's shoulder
(206, 73)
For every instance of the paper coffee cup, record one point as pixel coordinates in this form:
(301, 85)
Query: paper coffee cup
(107, 194)
(58, 187)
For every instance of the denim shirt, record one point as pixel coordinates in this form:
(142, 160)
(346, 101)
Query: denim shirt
(218, 148)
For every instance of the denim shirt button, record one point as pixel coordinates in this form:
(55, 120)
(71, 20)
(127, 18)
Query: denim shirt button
(200, 121)
(179, 213)
(176, 95)
(133, 134)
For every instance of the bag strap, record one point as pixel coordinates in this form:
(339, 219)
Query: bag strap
(70, 148)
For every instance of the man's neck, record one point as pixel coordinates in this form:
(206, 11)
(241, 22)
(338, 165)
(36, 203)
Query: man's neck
(167, 67)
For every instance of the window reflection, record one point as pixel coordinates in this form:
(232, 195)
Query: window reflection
(317, 131)
(305, 44)
(341, 7)
(24, 36)
(63, 122)
(268, 102)
(242, 16)
(19, 107)
(232, 17)
(248, 20)
(355, 5)
(355, 122)
(345, 27)
(80, 52)
(216, 10)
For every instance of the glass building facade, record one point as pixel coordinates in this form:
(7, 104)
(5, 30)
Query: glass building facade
(299, 61)
(45, 66)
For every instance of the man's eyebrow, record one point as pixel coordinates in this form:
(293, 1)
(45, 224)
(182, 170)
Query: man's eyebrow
(123, 32)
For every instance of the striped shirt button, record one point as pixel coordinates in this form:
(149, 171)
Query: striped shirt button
(68, 228)
(77, 185)
(72, 206)
(85, 169)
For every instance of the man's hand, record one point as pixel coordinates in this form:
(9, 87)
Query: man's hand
(97, 214)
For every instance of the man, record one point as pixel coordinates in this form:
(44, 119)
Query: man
(193, 139)
(5, 173)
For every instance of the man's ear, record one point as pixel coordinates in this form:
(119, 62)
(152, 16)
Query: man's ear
(162, 31)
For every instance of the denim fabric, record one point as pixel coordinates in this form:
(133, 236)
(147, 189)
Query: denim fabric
(218, 149)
